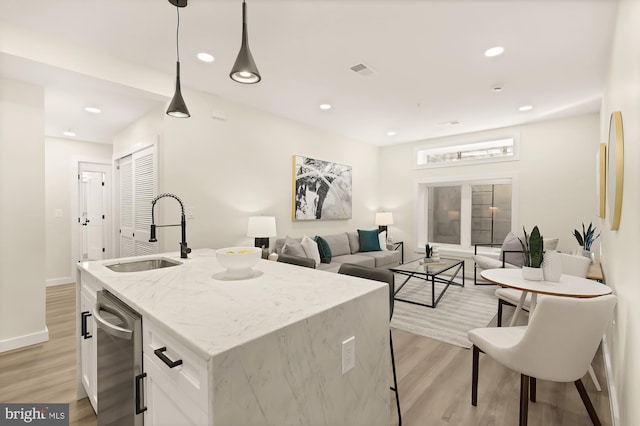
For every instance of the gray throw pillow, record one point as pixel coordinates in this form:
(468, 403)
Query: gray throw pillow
(512, 243)
(293, 248)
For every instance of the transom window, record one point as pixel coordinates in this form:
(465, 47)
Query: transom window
(505, 149)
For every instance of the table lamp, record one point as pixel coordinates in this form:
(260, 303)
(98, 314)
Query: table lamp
(383, 219)
(261, 228)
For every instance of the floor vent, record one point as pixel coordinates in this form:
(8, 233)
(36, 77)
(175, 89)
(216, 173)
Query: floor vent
(363, 69)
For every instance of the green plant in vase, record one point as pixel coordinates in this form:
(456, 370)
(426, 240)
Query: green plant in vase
(532, 249)
(586, 239)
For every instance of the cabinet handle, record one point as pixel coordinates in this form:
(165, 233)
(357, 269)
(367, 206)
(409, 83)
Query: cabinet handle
(139, 393)
(84, 332)
(160, 354)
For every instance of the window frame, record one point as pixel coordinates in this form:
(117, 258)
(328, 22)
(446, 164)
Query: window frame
(421, 205)
(462, 142)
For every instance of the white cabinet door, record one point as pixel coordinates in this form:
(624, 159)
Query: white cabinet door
(166, 405)
(88, 349)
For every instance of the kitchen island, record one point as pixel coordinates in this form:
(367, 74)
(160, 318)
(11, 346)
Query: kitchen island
(258, 351)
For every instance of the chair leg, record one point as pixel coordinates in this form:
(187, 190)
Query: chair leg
(474, 376)
(587, 402)
(500, 303)
(532, 389)
(395, 379)
(524, 399)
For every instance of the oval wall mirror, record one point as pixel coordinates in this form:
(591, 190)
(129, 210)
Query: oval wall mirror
(615, 169)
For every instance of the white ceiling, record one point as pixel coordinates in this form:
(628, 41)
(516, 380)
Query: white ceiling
(428, 58)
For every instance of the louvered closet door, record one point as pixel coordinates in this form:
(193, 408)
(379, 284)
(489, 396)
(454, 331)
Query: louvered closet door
(145, 189)
(138, 187)
(127, 246)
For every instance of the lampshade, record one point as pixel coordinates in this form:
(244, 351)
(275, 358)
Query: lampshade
(384, 218)
(245, 70)
(261, 226)
(177, 107)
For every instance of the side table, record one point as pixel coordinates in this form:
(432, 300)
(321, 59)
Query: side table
(399, 245)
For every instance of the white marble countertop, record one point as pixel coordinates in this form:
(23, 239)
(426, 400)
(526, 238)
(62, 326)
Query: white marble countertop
(212, 316)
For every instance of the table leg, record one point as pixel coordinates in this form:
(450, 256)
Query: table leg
(516, 314)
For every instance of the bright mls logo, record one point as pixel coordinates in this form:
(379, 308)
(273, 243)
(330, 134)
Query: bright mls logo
(36, 414)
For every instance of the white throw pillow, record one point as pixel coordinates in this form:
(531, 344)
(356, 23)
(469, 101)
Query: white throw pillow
(382, 239)
(311, 249)
(293, 248)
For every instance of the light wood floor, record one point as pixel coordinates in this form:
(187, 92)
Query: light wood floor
(434, 380)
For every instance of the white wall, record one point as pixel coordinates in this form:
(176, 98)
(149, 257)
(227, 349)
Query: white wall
(61, 167)
(22, 253)
(230, 170)
(620, 249)
(556, 176)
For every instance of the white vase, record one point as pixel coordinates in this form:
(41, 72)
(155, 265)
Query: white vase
(532, 274)
(552, 266)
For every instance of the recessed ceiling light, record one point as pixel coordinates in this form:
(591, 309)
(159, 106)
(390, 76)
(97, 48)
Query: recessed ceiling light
(494, 51)
(93, 110)
(68, 133)
(325, 106)
(392, 133)
(205, 57)
(526, 108)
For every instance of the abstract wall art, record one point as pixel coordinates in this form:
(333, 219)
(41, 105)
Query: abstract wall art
(321, 189)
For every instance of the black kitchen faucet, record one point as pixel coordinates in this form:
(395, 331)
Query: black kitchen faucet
(184, 250)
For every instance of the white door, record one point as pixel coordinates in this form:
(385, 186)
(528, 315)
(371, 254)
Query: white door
(137, 188)
(94, 183)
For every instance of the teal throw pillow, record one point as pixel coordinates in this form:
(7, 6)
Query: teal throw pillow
(324, 249)
(369, 240)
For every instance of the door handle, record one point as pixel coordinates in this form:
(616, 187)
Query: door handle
(114, 330)
(140, 394)
(83, 326)
(170, 363)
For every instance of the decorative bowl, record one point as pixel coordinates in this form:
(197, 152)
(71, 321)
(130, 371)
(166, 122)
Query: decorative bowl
(238, 260)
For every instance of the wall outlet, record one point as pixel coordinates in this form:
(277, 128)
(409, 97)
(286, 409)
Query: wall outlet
(191, 212)
(348, 354)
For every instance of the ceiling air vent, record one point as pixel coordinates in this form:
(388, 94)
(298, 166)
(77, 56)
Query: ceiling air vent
(363, 69)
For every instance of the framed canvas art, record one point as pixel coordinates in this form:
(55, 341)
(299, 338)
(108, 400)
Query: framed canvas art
(321, 189)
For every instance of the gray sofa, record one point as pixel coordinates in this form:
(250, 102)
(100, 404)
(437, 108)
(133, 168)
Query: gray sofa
(345, 248)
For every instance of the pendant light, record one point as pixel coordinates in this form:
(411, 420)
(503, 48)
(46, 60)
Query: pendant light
(245, 69)
(177, 107)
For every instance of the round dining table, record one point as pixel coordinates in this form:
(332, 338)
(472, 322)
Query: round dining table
(568, 286)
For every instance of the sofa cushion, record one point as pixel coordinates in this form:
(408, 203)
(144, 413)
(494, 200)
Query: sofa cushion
(357, 259)
(485, 262)
(311, 249)
(324, 249)
(280, 243)
(383, 258)
(339, 244)
(293, 247)
(368, 240)
(354, 242)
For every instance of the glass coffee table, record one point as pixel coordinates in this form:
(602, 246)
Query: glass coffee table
(432, 272)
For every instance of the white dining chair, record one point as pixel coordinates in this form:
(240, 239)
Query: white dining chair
(571, 265)
(543, 350)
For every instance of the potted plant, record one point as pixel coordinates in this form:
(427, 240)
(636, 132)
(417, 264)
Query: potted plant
(586, 239)
(532, 249)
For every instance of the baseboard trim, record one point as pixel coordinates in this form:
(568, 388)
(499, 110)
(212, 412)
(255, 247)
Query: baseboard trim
(60, 281)
(26, 340)
(613, 396)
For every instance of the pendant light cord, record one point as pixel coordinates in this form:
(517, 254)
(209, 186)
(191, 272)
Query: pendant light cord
(178, 34)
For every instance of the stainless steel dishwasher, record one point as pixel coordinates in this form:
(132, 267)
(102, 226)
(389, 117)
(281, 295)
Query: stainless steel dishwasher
(120, 375)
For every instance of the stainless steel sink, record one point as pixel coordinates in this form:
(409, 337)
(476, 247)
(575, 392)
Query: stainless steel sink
(143, 265)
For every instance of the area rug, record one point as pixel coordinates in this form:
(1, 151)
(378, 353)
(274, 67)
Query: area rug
(461, 309)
